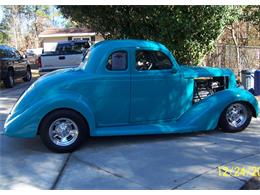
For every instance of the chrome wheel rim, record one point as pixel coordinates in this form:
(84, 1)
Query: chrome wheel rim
(63, 132)
(236, 115)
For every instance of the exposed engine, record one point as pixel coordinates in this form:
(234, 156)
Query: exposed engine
(206, 86)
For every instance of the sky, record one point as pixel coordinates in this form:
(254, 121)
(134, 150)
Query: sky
(59, 21)
(1, 13)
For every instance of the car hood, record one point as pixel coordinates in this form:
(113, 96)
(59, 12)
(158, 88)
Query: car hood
(204, 71)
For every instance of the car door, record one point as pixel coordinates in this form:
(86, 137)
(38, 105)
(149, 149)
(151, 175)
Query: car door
(59, 59)
(64, 58)
(69, 55)
(15, 60)
(155, 87)
(20, 64)
(4, 62)
(111, 90)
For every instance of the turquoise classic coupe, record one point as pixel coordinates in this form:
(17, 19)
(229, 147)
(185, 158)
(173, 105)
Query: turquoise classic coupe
(129, 87)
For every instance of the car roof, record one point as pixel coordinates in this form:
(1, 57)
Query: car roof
(102, 49)
(7, 47)
(128, 43)
(72, 41)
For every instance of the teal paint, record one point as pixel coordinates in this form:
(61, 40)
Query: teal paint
(126, 102)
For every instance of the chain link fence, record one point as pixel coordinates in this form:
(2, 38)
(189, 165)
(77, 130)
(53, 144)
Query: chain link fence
(226, 56)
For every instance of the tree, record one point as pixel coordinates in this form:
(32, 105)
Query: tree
(251, 14)
(21, 24)
(188, 31)
(4, 38)
(239, 29)
(12, 16)
(40, 19)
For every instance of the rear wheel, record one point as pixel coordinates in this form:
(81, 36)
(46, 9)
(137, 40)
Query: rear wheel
(9, 81)
(236, 117)
(63, 130)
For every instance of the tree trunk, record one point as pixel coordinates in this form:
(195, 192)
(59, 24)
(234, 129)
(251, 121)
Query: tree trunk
(235, 40)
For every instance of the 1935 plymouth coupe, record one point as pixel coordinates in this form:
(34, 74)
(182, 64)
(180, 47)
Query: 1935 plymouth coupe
(129, 87)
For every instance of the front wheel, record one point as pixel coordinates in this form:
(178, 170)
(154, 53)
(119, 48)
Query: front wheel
(236, 117)
(9, 81)
(63, 130)
(28, 76)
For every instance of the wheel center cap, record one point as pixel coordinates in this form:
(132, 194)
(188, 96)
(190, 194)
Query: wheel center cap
(63, 127)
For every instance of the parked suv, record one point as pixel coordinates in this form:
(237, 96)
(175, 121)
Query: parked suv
(13, 66)
(66, 54)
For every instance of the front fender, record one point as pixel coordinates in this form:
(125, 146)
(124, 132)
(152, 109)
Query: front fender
(26, 124)
(205, 114)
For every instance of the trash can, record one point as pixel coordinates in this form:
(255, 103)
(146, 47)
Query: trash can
(247, 79)
(257, 82)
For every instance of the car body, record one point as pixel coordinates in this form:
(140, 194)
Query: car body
(13, 66)
(130, 87)
(66, 54)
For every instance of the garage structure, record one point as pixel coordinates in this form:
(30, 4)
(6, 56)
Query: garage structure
(50, 37)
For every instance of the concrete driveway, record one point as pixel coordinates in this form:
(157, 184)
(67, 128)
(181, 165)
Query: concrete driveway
(188, 161)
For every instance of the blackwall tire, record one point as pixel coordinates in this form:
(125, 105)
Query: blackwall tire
(235, 118)
(9, 81)
(28, 76)
(63, 130)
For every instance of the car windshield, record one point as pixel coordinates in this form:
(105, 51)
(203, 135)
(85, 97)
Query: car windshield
(85, 59)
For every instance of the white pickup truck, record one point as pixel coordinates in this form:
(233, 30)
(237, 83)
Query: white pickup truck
(66, 54)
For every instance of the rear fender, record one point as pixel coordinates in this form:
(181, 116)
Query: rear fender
(26, 124)
(68, 100)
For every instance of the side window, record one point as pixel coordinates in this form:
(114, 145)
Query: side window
(152, 60)
(67, 49)
(10, 53)
(59, 49)
(17, 54)
(63, 49)
(117, 61)
(2, 53)
(78, 48)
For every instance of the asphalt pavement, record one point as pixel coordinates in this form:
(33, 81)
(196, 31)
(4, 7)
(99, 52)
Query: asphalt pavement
(186, 161)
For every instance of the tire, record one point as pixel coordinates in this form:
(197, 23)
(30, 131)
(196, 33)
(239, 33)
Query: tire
(9, 81)
(235, 118)
(28, 76)
(62, 123)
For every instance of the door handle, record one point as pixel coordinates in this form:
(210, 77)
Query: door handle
(61, 57)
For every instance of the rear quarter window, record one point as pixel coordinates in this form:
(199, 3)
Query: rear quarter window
(117, 61)
(2, 53)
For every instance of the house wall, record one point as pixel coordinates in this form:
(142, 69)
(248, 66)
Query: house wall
(49, 43)
(99, 38)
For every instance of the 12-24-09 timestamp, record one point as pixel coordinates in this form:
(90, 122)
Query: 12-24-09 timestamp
(236, 171)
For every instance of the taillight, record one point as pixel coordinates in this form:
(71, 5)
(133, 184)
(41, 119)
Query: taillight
(40, 62)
